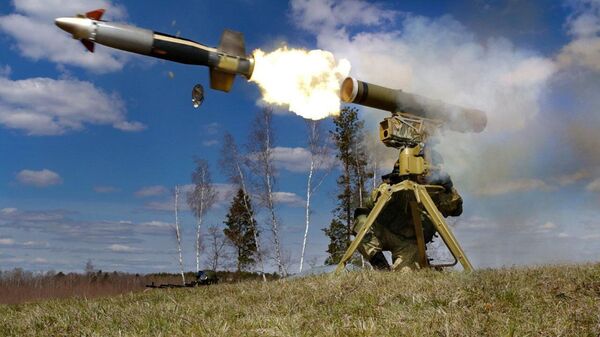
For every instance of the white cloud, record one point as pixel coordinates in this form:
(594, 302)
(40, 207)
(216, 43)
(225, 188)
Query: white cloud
(288, 198)
(590, 237)
(5, 71)
(297, 159)
(40, 260)
(36, 244)
(211, 128)
(569, 179)
(151, 191)
(209, 143)
(129, 126)
(105, 189)
(6, 241)
(294, 159)
(32, 27)
(45, 106)
(166, 205)
(59, 224)
(118, 248)
(584, 27)
(42, 178)
(157, 224)
(224, 194)
(514, 186)
(594, 186)
(9, 210)
(547, 227)
(330, 14)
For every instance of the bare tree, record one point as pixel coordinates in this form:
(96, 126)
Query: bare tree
(178, 233)
(201, 199)
(231, 163)
(318, 161)
(261, 163)
(218, 246)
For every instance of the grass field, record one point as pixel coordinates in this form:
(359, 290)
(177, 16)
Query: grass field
(540, 301)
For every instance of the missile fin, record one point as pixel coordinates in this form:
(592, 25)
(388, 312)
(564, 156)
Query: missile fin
(220, 80)
(95, 15)
(89, 45)
(232, 43)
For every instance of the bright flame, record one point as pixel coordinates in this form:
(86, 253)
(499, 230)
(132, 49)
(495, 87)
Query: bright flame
(308, 82)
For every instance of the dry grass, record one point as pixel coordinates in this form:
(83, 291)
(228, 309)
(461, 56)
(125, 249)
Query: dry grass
(19, 286)
(541, 301)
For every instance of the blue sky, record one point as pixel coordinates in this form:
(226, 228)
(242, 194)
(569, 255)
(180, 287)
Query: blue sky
(92, 144)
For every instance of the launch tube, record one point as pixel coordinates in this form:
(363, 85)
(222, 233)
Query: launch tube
(397, 101)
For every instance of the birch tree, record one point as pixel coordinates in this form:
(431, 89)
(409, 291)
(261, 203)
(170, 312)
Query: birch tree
(232, 165)
(318, 161)
(261, 162)
(178, 234)
(218, 246)
(201, 199)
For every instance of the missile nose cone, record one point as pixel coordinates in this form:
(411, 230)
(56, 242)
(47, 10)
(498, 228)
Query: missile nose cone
(78, 27)
(65, 24)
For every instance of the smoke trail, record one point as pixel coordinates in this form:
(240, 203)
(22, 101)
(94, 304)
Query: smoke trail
(308, 82)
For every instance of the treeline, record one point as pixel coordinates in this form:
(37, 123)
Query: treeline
(243, 242)
(18, 285)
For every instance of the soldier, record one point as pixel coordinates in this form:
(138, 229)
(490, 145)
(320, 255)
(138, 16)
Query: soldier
(394, 229)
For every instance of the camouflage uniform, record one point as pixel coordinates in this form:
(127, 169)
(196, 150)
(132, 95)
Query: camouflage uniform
(394, 229)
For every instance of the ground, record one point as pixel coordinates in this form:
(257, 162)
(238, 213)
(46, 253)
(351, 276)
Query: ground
(536, 301)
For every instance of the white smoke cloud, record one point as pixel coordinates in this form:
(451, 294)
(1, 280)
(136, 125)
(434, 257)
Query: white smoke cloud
(440, 58)
(540, 147)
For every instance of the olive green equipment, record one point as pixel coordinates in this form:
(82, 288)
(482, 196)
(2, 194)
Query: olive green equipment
(414, 118)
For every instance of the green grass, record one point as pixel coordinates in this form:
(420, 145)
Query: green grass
(540, 301)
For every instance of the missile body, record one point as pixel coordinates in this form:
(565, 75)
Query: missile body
(226, 61)
(397, 101)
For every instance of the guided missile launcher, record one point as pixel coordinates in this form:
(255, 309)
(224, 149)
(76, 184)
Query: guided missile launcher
(225, 61)
(397, 101)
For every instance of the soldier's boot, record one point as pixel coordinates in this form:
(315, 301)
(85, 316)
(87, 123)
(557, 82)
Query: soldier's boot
(450, 203)
(379, 262)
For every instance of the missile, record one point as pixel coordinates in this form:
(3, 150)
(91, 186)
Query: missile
(397, 101)
(224, 62)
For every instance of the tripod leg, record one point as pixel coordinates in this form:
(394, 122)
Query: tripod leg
(414, 210)
(442, 228)
(383, 199)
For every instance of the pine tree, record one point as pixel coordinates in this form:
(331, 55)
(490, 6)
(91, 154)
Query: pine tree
(338, 242)
(348, 138)
(241, 228)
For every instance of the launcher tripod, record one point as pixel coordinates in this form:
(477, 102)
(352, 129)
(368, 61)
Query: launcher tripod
(409, 133)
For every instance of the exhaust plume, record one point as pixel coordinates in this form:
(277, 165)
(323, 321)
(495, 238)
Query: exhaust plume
(308, 82)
